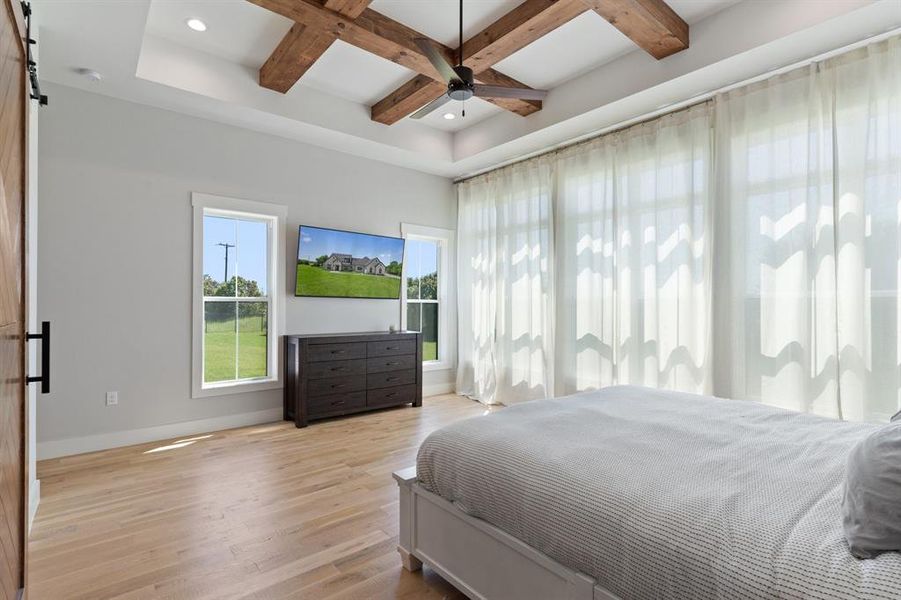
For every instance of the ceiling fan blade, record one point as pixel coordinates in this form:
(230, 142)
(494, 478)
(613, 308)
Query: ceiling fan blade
(431, 106)
(438, 61)
(498, 91)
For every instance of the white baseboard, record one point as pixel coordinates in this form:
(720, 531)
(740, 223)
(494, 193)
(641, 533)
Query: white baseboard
(117, 439)
(34, 498)
(436, 389)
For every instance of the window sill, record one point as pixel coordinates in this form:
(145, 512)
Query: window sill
(241, 387)
(436, 365)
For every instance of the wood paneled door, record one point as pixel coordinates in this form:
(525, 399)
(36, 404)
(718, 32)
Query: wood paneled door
(13, 111)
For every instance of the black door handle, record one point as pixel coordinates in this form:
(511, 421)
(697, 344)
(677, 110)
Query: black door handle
(44, 377)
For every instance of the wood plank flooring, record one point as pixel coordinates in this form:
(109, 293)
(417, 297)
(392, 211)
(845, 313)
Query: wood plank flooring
(266, 512)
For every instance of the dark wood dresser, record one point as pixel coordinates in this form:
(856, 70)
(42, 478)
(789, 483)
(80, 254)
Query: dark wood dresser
(332, 375)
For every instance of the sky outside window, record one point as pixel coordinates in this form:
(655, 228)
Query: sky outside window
(247, 254)
(423, 258)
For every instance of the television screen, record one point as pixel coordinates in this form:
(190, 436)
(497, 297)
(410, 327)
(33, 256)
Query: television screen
(345, 264)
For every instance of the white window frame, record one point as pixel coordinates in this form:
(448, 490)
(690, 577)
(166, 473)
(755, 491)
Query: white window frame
(445, 239)
(276, 216)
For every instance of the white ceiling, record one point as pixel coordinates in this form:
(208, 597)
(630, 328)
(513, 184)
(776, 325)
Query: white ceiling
(148, 54)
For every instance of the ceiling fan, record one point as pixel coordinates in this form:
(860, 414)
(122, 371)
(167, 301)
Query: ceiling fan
(461, 85)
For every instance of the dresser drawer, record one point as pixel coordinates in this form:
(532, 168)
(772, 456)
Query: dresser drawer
(321, 352)
(336, 368)
(391, 396)
(390, 379)
(390, 363)
(336, 404)
(337, 385)
(391, 347)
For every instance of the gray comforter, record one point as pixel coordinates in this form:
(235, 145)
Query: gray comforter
(664, 495)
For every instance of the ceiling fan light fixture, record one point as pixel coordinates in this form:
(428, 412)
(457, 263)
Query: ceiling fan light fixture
(461, 85)
(196, 24)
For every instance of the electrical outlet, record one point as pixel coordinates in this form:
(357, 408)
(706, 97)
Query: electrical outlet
(112, 398)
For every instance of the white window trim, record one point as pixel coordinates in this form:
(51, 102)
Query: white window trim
(445, 239)
(277, 215)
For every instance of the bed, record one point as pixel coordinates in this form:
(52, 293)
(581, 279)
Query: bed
(633, 493)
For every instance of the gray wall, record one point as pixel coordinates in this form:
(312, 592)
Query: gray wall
(115, 250)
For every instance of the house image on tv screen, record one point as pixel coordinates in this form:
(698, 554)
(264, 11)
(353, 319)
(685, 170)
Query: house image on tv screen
(346, 262)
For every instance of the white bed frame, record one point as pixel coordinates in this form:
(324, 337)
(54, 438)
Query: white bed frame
(479, 559)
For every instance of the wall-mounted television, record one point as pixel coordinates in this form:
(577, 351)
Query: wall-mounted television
(344, 264)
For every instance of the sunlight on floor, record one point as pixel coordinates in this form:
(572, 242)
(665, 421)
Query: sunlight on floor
(179, 444)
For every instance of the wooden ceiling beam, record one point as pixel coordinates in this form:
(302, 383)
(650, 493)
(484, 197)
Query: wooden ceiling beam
(407, 99)
(515, 30)
(301, 48)
(528, 22)
(370, 31)
(380, 35)
(651, 24)
(394, 41)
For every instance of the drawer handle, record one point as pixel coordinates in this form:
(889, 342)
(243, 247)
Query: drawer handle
(391, 364)
(335, 386)
(339, 368)
(337, 402)
(392, 378)
(392, 347)
(391, 395)
(338, 351)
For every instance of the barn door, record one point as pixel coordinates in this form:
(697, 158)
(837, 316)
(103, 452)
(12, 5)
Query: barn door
(13, 507)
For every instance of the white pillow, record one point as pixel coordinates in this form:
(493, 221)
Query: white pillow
(872, 501)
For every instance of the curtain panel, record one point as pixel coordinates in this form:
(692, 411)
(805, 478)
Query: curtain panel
(748, 247)
(810, 190)
(633, 221)
(506, 296)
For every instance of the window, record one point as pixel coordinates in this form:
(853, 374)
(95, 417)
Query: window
(422, 293)
(237, 316)
(425, 300)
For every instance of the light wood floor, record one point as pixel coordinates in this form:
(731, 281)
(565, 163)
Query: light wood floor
(259, 512)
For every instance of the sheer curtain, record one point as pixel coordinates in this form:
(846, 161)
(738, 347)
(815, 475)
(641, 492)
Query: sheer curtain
(505, 289)
(748, 247)
(807, 280)
(634, 229)
(776, 317)
(868, 198)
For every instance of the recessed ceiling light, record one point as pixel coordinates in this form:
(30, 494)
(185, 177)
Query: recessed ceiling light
(196, 24)
(450, 116)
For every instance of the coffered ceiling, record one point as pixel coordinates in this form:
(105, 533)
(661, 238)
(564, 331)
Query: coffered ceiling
(597, 76)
